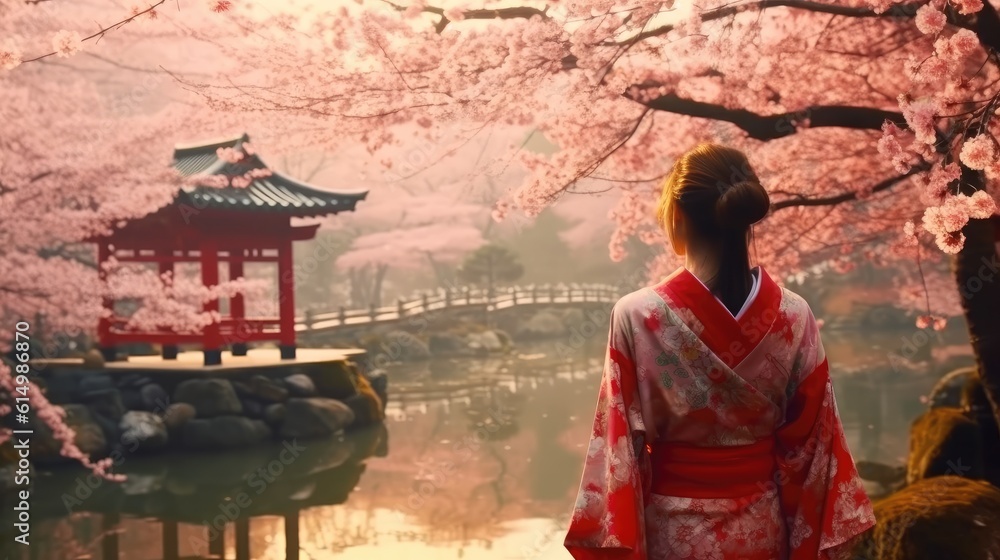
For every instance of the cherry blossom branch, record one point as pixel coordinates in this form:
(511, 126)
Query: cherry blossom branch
(905, 11)
(779, 125)
(515, 12)
(104, 30)
(848, 196)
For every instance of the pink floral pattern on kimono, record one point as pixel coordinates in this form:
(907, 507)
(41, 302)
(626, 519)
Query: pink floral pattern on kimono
(716, 437)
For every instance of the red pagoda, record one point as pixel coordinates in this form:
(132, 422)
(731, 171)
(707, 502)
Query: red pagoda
(247, 223)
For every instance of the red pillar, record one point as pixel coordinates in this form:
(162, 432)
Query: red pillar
(169, 349)
(211, 337)
(286, 299)
(104, 337)
(237, 308)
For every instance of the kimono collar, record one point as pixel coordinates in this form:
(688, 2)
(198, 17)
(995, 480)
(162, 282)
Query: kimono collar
(731, 339)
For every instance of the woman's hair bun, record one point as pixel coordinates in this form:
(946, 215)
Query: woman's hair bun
(742, 204)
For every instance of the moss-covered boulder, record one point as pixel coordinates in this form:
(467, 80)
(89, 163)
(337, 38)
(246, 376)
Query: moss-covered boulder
(944, 441)
(210, 397)
(401, 346)
(941, 518)
(544, 324)
(88, 437)
(367, 406)
(315, 417)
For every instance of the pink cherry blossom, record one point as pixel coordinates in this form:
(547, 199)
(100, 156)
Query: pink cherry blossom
(924, 321)
(978, 152)
(981, 205)
(10, 55)
(966, 7)
(954, 213)
(920, 116)
(950, 243)
(930, 20)
(230, 155)
(889, 146)
(66, 43)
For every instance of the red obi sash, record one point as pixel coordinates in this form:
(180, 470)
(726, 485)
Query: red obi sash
(691, 471)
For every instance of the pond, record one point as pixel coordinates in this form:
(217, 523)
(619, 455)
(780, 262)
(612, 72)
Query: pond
(479, 459)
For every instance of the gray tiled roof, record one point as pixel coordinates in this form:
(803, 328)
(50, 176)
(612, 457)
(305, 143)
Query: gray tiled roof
(274, 193)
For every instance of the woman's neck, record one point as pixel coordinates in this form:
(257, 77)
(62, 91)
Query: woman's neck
(702, 268)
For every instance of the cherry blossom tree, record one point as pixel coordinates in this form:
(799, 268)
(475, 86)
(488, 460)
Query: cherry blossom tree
(428, 230)
(871, 123)
(76, 162)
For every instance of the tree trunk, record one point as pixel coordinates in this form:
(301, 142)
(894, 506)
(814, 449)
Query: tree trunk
(376, 291)
(976, 273)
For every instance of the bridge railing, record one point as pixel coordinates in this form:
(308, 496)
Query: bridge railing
(449, 298)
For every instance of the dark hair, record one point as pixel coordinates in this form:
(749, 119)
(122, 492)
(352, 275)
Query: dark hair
(717, 190)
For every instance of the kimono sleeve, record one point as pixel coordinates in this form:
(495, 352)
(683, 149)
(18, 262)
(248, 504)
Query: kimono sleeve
(608, 520)
(822, 498)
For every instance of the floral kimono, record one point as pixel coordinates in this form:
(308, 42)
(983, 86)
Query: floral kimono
(716, 437)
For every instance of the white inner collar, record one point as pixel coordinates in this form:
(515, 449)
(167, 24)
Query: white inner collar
(754, 290)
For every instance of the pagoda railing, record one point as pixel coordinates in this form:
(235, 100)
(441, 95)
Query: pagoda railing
(458, 299)
(250, 329)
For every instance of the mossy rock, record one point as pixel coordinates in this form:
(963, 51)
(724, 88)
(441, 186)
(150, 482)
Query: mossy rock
(366, 405)
(941, 518)
(944, 441)
(333, 380)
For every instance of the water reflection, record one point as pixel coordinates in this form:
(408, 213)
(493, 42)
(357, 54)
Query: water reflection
(484, 464)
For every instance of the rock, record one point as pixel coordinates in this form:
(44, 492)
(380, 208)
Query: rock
(300, 385)
(8, 479)
(505, 339)
(63, 385)
(942, 517)
(573, 318)
(106, 402)
(491, 341)
(8, 469)
(133, 380)
(252, 409)
(267, 390)
(242, 389)
(95, 382)
(93, 359)
(944, 441)
(210, 397)
(444, 344)
(334, 380)
(402, 346)
(140, 484)
(131, 398)
(543, 324)
(110, 428)
(274, 414)
(948, 390)
(143, 431)
(366, 408)
(89, 437)
(315, 417)
(223, 432)
(378, 379)
(178, 414)
(154, 398)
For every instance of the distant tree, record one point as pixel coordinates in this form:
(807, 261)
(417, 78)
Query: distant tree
(490, 264)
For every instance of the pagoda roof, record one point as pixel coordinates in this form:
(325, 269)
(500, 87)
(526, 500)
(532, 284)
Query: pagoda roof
(273, 192)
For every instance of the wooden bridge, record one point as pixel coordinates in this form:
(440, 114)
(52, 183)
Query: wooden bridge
(466, 298)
